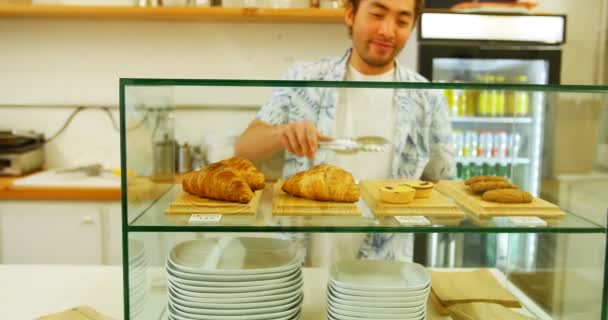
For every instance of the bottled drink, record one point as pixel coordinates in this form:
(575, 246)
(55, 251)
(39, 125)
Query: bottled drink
(486, 144)
(483, 99)
(514, 144)
(501, 147)
(471, 141)
(458, 142)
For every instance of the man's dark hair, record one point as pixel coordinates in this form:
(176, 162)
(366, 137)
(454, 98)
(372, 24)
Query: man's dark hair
(418, 6)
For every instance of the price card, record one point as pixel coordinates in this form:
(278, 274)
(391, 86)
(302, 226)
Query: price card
(413, 220)
(205, 218)
(528, 221)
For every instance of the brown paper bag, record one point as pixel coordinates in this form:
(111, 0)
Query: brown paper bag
(78, 313)
(483, 311)
(470, 286)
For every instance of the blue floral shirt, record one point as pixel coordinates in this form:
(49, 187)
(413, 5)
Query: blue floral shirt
(422, 135)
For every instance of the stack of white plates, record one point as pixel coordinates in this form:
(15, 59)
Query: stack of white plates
(234, 279)
(373, 289)
(138, 280)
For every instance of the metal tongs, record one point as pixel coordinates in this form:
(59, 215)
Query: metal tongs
(354, 145)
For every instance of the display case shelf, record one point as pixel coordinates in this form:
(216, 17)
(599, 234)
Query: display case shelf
(311, 15)
(507, 120)
(153, 219)
(492, 161)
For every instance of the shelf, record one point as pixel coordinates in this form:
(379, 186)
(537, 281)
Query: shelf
(153, 219)
(312, 15)
(315, 295)
(492, 161)
(507, 120)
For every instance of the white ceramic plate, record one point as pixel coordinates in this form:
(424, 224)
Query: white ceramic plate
(202, 289)
(335, 316)
(377, 311)
(228, 256)
(294, 288)
(377, 303)
(136, 250)
(379, 275)
(232, 300)
(295, 317)
(271, 316)
(376, 300)
(230, 278)
(233, 306)
(356, 314)
(240, 284)
(371, 294)
(238, 312)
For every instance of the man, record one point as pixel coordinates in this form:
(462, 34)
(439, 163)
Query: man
(414, 121)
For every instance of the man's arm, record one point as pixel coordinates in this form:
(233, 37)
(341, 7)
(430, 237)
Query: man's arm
(442, 164)
(260, 141)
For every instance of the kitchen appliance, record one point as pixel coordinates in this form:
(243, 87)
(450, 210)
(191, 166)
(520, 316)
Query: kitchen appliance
(21, 152)
(491, 48)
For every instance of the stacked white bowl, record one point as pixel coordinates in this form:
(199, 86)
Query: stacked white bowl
(234, 279)
(375, 289)
(138, 280)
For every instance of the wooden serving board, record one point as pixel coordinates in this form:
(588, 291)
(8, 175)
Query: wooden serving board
(286, 205)
(188, 204)
(436, 206)
(463, 195)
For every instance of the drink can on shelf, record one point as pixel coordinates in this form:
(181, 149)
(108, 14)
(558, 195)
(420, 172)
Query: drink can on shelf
(475, 169)
(503, 170)
(488, 169)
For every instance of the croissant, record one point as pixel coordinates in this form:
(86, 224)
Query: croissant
(246, 170)
(507, 196)
(484, 186)
(323, 182)
(217, 181)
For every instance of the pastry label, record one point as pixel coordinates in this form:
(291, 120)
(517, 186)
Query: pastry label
(413, 220)
(205, 218)
(528, 221)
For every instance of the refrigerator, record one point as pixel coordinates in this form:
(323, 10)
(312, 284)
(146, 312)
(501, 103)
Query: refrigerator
(495, 132)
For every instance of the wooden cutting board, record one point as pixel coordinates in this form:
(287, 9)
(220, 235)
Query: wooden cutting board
(437, 206)
(286, 205)
(188, 204)
(471, 201)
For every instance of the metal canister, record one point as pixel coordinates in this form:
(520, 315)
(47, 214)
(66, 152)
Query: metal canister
(184, 159)
(501, 144)
(486, 144)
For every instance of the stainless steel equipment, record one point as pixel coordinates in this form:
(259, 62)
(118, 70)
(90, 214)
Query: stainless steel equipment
(21, 152)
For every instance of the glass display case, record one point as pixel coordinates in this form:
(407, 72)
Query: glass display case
(187, 257)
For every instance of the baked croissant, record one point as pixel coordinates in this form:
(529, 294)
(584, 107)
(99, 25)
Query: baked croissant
(246, 170)
(325, 183)
(507, 196)
(217, 181)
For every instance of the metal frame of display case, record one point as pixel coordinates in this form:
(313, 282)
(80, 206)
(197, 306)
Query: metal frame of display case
(152, 220)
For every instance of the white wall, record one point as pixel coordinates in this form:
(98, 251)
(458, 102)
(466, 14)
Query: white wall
(79, 62)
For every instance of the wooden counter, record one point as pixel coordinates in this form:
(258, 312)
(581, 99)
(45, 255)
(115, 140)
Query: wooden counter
(10, 192)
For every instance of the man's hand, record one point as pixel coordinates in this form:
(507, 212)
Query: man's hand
(301, 138)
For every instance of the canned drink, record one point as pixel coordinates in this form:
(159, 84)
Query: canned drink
(466, 171)
(486, 144)
(501, 144)
(459, 170)
(475, 169)
(471, 141)
(458, 142)
(503, 170)
(514, 144)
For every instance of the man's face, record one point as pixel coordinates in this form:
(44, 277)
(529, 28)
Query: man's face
(380, 29)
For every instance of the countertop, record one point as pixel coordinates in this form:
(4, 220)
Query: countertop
(8, 191)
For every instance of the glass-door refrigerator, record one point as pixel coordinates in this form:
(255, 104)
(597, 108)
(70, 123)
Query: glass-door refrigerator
(496, 132)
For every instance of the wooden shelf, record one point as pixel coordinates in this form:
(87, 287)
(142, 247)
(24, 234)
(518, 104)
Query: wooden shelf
(312, 15)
